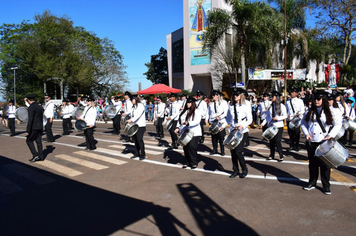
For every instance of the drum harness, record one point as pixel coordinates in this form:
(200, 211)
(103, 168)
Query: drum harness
(321, 124)
(236, 115)
(86, 112)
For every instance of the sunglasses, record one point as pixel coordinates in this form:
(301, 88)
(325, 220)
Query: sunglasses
(318, 99)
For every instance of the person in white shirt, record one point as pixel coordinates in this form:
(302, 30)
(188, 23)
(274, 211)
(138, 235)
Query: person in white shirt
(71, 110)
(295, 110)
(173, 115)
(189, 119)
(217, 112)
(49, 114)
(11, 109)
(349, 90)
(275, 116)
(202, 106)
(318, 125)
(349, 115)
(263, 108)
(127, 109)
(158, 115)
(66, 116)
(138, 117)
(115, 100)
(89, 116)
(182, 102)
(239, 117)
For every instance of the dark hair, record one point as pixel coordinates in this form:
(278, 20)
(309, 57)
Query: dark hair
(136, 99)
(325, 107)
(191, 111)
(277, 104)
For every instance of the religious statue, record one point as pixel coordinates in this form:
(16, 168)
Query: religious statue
(332, 73)
(200, 22)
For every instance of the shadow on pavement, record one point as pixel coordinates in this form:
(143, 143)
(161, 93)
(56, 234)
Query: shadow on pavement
(210, 217)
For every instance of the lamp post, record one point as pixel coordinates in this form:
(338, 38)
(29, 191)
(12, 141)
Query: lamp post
(14, 68)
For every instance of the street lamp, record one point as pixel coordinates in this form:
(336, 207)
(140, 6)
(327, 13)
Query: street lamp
(14, 68)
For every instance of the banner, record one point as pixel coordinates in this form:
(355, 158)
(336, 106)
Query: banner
(277, 74)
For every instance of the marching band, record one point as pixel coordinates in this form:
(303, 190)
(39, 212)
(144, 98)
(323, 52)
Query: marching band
(327, 118)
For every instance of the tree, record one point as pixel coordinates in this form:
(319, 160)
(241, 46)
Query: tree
(158, 68)
(337, 18)
(52, 47)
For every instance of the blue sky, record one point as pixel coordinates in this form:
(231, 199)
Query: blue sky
(137, 28)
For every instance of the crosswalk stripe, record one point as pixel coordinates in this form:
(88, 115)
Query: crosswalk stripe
(100, 157)
(29, 174)
(82, 162)
(146, 150)
(59, 168)
(6, 186)
(113, 152)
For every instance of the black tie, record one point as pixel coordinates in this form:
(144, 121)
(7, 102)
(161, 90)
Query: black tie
(170, 110)
(273, 112)
(235, 119)
(215, 107)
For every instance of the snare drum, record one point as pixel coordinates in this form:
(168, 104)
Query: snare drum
(295, 123)
(215, 126)
(332, 153)
(352, 125)
(185, 137)
(345, 124)
(340, 133)
(232, 140)
(131, 129)
(78, 112)
(270, 132)
(109, 112)
(80, 125)
(21, 114)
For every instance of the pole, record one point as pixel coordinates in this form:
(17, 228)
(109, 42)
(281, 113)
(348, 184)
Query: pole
(285, 51)
(14, 68)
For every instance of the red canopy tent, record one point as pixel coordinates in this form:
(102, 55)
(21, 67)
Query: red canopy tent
(159, 88)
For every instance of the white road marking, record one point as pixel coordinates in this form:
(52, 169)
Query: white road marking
(100, 157)
(146, 150)
(89, 164)
(29, 174)
(59, 168)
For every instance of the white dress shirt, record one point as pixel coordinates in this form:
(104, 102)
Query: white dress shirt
(11, 111)
(244, 117)
(280, 118)
(127, 106)
(174, 110)
(202, 106)
(66, 112)
(263, 107)
(221, 111)
(117, 105)
(49, 110)
(138, 115)
(294, 106)
(159, 110)
(89, 115)
(193, 123)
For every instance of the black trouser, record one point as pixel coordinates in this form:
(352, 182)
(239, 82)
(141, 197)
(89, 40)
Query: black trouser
(139, 144)
(237, 155)
(191, 151)
(219, 137)
(11, 124)
(48, 129)
(171, 131)
(89, 138)
(276, 141)
(351, 136)
(116, 124)
(202, 123)
(35, 135)
(315, 164)
(70, 124)
(294, 136)
(159, 127)
(264, 127)
(65, 125)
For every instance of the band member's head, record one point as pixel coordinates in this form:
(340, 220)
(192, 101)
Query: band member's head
(116, 98)
(159, 99)
(90, 101)
(11, 102)
(276, 99)
(293, 92)
(172, 97)
(320, 100)
(183, 96)
(191, 103)
(31, 98)
(276, 96)
(190, 106)
(215, 95)
(348, 102)
(199, 94)
(48, 97)
(238, 96)
(135, 100)
(265, 96)
(331, 100)
(127, 95)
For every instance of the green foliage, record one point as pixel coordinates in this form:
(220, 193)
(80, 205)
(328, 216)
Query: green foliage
(158, 68)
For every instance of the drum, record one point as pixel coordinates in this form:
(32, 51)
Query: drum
(215, 126)
(233, 139)
(169, 125)
(78, 112)
(44, 120)
(124, 119)
(295, 123)
(345, 124)
(131, 129)
(80, 125)
(109, 112)
(352, 125)
(4, 111)
(340, 133)
(21, 114)
(270, 132)
(185, 137)
(332, 153)
(155, 122)
(59, 111)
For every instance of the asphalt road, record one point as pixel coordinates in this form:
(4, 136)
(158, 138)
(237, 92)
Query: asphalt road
(103, 192)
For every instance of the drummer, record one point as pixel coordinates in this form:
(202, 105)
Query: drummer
(349, 115)
(138, 117)
(189, 119)
(295, 109)
(11, 109)
(49, 114)
(66, 116)
(263, 108)
(217, 111)
(89, 116)
(127, 108)
(173, 115)
(117, 119)
(202, 106)
(319, 124)
(239, 117)
(71, 110)
(275, 116)
(159, 116)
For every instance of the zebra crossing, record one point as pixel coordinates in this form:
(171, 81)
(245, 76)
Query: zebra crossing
(11, 181)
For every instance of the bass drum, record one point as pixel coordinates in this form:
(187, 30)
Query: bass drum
(109, 112)
(21, 114)
(131, 129)
(232, 140)
(332, 153)
(295, 123)
(185, 137)
(215, 126)
(80, 125)
(78, 112)
(270, 132)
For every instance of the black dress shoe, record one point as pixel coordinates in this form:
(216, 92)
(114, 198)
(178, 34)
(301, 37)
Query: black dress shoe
(133, 157)
(297, 149)
(142, 158)
(236, 173)
(193, 167)
(92, 148)
(213, 152)
(244, 174)
(222, 153)
(37, 158)
(309, 187)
